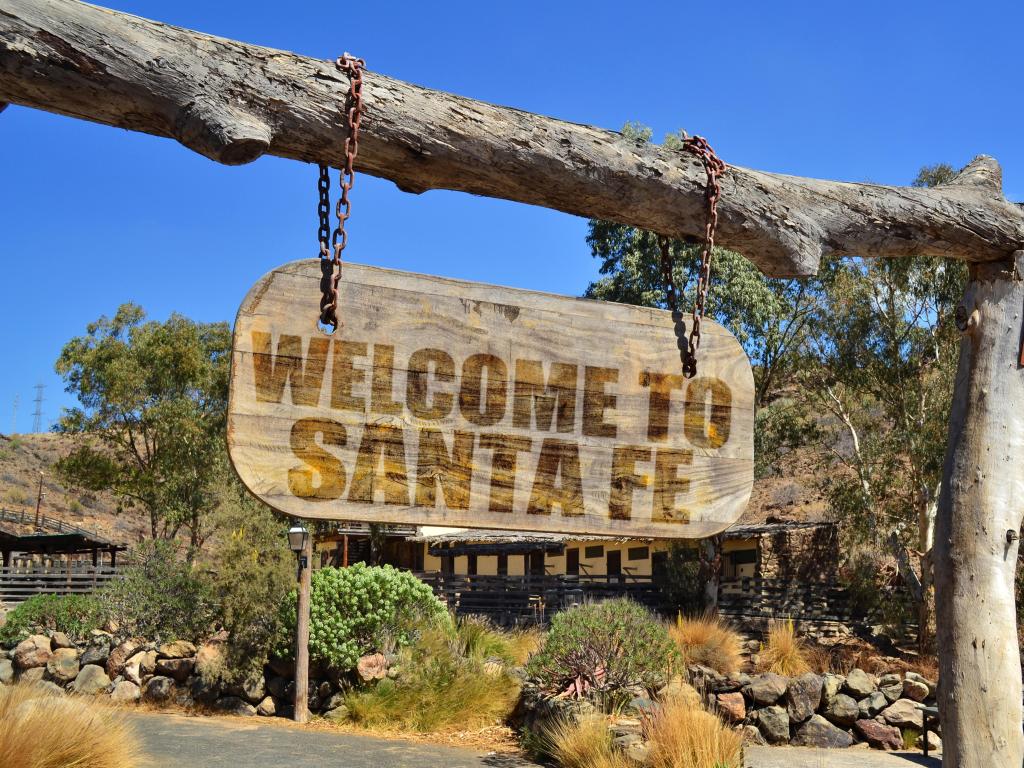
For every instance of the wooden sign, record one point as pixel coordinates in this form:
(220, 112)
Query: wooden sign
(442, 402)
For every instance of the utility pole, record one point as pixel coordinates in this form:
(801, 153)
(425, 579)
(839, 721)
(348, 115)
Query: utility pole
(14, 416)
(37, 414)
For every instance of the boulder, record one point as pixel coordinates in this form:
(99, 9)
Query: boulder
(6, 672)
(677, 689)
(60, 640)
(751, 735)
(278, 687)
(90, 681)
(179, 649)
(819, 732)
(232, 705)
(97, 652)
(774, 724)
(337, 700)
(843, 711)
(49, 687)
(803, 696)
(32, 652)
(914, 690)
(158, 688)
(872, 705)
(178, 668)
(904, 714)
(34, 675)
(125, 692)
(203, 691)
(266, 708)
(132, 671)
(253, 690)
(120, 655)
(879, 735)
(63, 665)
(830, 687)
(934, 742)
(731, 706)
(923, 680)
(372, 667)
(638, 753)
(766, 689)
(859, 684)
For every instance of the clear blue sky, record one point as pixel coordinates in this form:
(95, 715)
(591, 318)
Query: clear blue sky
(92, 216)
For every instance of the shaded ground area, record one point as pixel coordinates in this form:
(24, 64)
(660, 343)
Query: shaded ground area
(802, 757)
(174, 741)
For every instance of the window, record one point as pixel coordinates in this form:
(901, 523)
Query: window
(743, 557)
(503, 565)
(471, 565)
(572, 562)
(593, 552)
(638, 553)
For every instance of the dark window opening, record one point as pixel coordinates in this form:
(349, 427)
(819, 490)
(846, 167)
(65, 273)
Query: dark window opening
(638, 553)
(593, 552)
(572, 562)
(471, 565)
(503, 565)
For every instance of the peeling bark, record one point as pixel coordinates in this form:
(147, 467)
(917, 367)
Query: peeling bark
(233, 102)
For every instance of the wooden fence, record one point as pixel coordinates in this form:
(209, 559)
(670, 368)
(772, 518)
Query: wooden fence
(754, 603)
(25, 517)
(533, 599)
(20, 583)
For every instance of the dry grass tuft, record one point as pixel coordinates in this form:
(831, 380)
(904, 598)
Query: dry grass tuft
(784, 653)
(683, 736)
(586, 743)
(42, 730)
(708, 640)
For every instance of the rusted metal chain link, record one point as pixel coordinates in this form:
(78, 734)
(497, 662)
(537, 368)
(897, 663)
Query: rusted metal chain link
(714, 168)
(330, 259)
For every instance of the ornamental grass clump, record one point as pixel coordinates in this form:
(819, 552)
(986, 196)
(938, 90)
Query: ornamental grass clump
(684, 736)
(582, 743)
(602, 650)
(783, 652)
(708, 640)
(39, 729)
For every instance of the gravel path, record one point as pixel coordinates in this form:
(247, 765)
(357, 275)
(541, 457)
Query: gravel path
(855, 757)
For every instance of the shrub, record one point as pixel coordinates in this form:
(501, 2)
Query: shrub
(41, 730)
(709, 641)
(75, 615)
(683, 736)
(680, 581)
(783, 653)
(159, 597)
(475, 637)
(359, 610)
(583, 743)
(604, 648)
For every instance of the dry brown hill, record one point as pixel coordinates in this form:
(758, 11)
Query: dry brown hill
(23, 457)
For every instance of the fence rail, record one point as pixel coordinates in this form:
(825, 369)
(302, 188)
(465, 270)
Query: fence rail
(747, 600)
(18, 583)
(533, 599)
(24, 517)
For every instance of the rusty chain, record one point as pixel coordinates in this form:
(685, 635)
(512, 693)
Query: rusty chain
(713, 168)
(330, 263)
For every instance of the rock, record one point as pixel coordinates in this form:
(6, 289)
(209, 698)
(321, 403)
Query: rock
(158, 688)
(879, 735)
(30, 676)
(49, 687)
(232, 705)
(677, 689)
(642, 705)
(904, 714)
(934, 742)
(32, 652)
(125, 692)
(147, 663)
(372, 667)
(923, 680)
(120, 655)
(872, 705)
(60, 640)
(179, 649)
(859, 684)
(253, 690)
(90, 681)
(830, 687)
(751, 735)
(319, 692)
(277, 687)
(731, 706)
(132, 671)
(914, 690)
(819, 732)
(266, 708)
(843, 711)
(177, 668)
(202, 691)
(97, 652)
(63, 665)
(803, 696)
(639, 753)
(6, 672)
(774, 724)
(890, 679)
(766, 689)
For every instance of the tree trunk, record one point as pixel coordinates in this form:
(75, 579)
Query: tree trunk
(980, 511)
(712, 561)
(233, 102)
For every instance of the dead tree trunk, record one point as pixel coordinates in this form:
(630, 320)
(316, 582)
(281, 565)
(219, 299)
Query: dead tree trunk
(980, 512)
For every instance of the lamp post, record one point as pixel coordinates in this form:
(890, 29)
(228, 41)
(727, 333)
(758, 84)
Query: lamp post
(300, 543)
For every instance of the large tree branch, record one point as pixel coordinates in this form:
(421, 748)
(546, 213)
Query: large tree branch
(234, 102)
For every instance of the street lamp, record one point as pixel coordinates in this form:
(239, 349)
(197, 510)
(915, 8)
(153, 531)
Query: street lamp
(298, 535)
(299, 543)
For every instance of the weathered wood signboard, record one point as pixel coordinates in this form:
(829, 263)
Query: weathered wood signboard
(444, 402)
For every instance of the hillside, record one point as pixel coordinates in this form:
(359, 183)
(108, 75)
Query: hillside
(23, 457)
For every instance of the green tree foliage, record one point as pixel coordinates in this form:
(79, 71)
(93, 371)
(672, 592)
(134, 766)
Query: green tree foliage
(358, 610)
(153, 398)
(75, 615)
(604, 649)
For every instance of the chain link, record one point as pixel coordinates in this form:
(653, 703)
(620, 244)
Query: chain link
(713, 168)
(330, 263)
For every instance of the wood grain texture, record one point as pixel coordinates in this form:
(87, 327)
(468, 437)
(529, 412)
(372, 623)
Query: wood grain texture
(233, 102)
(443, 402)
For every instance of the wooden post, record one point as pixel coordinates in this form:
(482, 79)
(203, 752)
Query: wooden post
(976, 531)
(344, 556)
(302, 633)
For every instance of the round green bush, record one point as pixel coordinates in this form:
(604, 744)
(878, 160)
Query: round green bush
(604, 648)
(358, 610)
(75, 615)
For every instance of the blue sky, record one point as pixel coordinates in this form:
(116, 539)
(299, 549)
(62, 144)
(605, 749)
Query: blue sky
(92, 216)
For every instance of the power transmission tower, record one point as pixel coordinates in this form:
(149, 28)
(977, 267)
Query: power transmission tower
(37, 414)
(14, 416)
